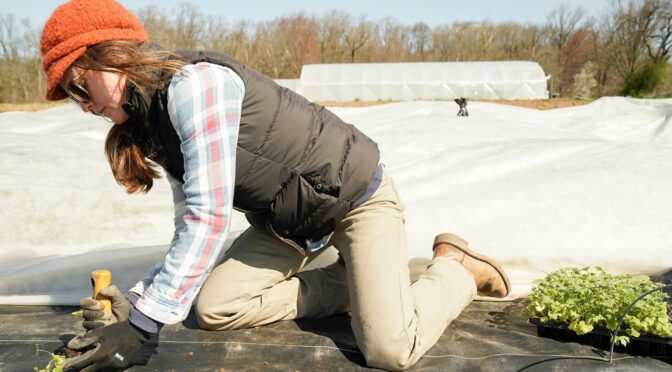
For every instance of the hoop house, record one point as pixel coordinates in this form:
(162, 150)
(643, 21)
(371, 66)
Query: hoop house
(423, 81)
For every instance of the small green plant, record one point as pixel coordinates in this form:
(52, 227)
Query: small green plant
(55, 364)
(590, 297)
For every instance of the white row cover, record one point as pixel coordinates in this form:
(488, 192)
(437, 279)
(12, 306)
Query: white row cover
(535, 190)
(421, 81)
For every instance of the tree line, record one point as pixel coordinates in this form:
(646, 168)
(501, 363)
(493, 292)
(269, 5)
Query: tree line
(624, 51)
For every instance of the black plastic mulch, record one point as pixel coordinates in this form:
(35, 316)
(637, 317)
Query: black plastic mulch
(488, 336)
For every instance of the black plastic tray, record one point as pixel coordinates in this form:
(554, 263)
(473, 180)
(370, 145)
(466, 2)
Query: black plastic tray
(600, 338)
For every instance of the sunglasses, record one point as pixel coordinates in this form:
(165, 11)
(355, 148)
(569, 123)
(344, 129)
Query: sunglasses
(77, 91)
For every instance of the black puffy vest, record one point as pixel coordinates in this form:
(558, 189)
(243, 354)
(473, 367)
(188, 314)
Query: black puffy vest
(298, 166)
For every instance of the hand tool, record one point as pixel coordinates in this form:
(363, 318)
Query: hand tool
(99, 280)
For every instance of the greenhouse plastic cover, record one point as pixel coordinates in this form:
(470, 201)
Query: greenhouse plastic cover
(537, 190)
(423, 81)
(293, 84)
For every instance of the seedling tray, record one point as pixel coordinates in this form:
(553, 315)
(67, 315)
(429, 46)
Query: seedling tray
(646, 345)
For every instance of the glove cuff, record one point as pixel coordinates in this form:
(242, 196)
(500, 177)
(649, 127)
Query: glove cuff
(132, 297)
(143, 322)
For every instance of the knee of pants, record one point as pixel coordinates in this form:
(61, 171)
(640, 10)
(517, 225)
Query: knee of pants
(390, 356)
(220, 314)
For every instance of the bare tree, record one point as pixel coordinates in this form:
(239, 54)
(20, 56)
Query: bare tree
(630, 38)
(189, 29)
(356, 36)
(215, 32)
(20, 76)
(331, 34)
(269, 55)
(237, 42)
(604, 55)
(33, 60)
(420, 41)
(299, 36)
(157, 25)
(393, 41)
(508, 41)
(561, 24)
(8, 37)
(465, 36)
(632, 28)
(659, 36)
(533, 41)
(443, 43)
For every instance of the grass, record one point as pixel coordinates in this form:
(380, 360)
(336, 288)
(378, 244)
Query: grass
(35, 106)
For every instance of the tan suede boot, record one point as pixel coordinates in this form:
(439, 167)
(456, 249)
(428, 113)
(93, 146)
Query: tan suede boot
(491, 280)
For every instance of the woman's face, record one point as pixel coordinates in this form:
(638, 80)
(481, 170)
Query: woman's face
(106, 92)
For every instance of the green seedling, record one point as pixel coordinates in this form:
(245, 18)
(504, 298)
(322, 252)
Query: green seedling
(79, 313)
(55, 364)
(590, 297)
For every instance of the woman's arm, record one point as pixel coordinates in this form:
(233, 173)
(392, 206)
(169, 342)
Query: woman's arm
(178, 221)
(204, 104)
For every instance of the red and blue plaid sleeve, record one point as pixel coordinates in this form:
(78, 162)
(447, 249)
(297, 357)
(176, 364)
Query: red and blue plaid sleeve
(204, 103)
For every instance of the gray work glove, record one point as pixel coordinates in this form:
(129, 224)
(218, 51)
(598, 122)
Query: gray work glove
(94, 312)
(114, 346)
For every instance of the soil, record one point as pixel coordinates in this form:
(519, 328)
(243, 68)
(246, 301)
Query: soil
(353, 103)
(37, 106)
(67, 353)
(539, 104)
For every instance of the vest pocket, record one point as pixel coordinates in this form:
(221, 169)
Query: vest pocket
(322, 187)
(304, 209)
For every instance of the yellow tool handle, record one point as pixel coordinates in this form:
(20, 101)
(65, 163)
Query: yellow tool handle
(99, 280)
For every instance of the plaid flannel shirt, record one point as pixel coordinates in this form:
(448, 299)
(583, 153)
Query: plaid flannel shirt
(204, 104)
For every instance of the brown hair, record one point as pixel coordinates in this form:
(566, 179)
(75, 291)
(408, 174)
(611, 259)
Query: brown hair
(130, 167)
(145, 68)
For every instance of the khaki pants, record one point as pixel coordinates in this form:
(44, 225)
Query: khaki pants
(394, 321)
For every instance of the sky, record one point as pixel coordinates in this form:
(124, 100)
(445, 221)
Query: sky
(432, 12)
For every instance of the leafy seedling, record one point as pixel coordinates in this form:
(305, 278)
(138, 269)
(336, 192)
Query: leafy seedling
(590, 297)
(55, 364)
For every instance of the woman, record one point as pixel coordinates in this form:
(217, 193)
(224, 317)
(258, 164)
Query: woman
(229, 137)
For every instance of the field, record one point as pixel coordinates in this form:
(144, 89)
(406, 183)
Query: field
(540, 104)
(567, 178)
(36, 106)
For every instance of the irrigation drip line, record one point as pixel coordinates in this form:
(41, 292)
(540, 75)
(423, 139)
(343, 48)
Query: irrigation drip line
(627, 310)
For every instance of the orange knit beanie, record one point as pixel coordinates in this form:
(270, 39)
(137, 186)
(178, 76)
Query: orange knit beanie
(76, 25)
